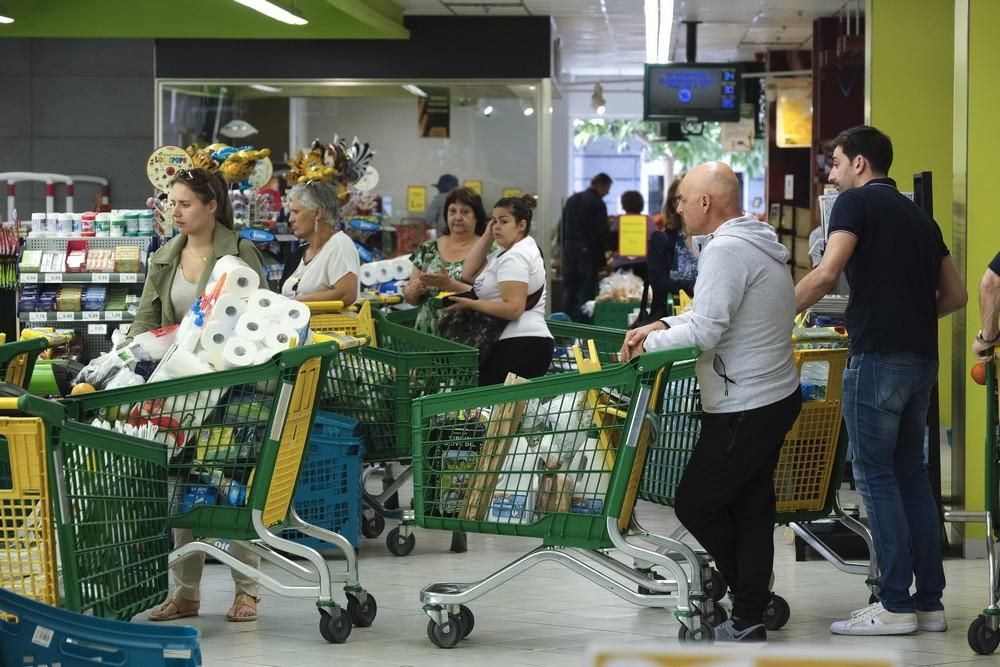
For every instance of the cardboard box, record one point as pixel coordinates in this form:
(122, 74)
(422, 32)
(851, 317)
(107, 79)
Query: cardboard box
(788, 217)
(803, 222)
(801, 255)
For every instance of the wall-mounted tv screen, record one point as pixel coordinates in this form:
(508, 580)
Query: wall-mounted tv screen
(693, 90)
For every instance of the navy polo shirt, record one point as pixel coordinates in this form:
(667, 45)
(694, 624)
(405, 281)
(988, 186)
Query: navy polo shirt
(893, 272)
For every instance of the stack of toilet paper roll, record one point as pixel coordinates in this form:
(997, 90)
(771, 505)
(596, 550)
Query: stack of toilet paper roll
(247, 332)
(377, 273)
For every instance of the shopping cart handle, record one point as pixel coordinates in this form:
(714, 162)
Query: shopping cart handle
(9, 403)
(320, 307)
(654, 361)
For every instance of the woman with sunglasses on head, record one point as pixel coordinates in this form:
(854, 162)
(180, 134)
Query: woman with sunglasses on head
(176, 276)
(510, 284)
(326, 266)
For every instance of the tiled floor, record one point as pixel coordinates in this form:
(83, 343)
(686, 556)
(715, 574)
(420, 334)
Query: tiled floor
(549, 615)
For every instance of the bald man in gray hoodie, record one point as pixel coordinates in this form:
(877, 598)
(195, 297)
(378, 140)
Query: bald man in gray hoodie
(741, 320)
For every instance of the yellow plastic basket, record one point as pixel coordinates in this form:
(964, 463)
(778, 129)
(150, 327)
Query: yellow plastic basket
(27, 543)
(802, 478)
(333, 317)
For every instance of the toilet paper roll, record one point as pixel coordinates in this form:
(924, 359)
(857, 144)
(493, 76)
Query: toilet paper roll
(383, 271)
(239, 353)
(402, 267)
(241, 280)
(251, 327)
(227, 312)
(281, 339)
(261, 303)
(368, 275)
(292, 315)
(263, 356)
(213, 341)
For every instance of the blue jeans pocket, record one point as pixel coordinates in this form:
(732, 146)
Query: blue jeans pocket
(893, 385)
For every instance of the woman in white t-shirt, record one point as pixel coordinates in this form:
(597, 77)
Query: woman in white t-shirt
(505, 282)
(328, 264)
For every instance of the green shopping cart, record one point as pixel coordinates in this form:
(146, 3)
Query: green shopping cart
(556, 458)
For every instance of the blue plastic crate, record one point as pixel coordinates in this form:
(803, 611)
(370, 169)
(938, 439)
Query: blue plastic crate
(44, 635)
(328, 493)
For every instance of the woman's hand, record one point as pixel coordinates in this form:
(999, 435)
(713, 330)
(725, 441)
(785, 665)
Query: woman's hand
(632, 347)
(437, 280)
(461, 303)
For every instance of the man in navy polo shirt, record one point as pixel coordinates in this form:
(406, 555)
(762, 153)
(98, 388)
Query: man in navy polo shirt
(902, 279)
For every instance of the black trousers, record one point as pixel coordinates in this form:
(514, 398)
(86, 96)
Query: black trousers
(580, 266)
(527, 356)
(726, 497)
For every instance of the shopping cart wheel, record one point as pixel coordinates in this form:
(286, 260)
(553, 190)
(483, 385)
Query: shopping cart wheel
(446, 635)
(373, 527)
(715, 586)
(467, 620)
(459, 543)
(703, 634)
(983, 639)
(399, 545)
(777, 613)
(334, 625)
(362, 614)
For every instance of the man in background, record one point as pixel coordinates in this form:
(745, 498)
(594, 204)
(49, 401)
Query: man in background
(435, 210)
(989, 311)
(586, 237)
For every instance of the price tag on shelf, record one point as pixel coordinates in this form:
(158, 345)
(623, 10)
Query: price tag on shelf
(128, 278)
(113, 315)
(99, 329)
(53, 277)
(65, 317)
(38, 317)
(100, 278)
(29, 277)
(90, 315)
(133, 309)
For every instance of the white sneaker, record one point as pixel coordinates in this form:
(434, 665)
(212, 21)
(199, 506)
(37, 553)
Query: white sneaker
(931, 621)
(876, 620)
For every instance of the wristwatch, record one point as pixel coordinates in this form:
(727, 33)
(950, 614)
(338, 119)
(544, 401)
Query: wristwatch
(980, 339)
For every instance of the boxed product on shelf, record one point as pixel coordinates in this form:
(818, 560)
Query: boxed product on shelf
(94, 297)
(31, 261)
(117, 298)
(127, 259)
(76, 256)
(69, 299)
(101, 260)
(28, 301)
(47, 299)
(53, 262)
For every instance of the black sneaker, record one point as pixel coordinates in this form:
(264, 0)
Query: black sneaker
(727, 632)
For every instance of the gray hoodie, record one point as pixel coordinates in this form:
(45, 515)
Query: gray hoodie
(740, 319)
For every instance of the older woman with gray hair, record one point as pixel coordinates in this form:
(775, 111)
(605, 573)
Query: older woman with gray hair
(328, 264)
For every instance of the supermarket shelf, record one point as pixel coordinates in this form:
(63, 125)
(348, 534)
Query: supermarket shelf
(46, 317)
(92, 278)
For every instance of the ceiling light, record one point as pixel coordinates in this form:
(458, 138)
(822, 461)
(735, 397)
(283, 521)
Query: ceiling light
(485, 107)
(414, 90)
(597, 100)
(527, 108)
(659, 23)
(5, 19)
(274, 11)
(264, 88)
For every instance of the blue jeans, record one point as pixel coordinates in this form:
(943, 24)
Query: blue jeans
(885, 403)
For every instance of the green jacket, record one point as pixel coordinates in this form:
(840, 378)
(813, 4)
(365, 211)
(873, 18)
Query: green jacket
(155, 307)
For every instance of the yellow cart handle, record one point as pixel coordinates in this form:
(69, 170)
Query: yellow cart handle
(9, 403)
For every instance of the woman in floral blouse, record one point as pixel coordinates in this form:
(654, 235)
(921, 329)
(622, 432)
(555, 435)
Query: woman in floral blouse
(437, 264)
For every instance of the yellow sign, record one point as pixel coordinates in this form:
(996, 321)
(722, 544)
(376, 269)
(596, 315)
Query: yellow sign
(416, 199)
(632, 235)
(512, 192)
(475, 186)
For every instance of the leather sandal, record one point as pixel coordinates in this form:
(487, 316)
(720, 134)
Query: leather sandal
(242, 601)
(171, 610)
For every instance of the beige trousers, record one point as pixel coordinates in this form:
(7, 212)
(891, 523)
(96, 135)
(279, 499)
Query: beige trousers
(187, 573)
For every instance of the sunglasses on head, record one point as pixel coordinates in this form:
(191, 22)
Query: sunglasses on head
(191, 176)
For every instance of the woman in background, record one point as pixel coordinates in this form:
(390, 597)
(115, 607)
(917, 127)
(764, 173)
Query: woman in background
(437, 264)
(671, 264)
(506, 282)
(326, 265)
